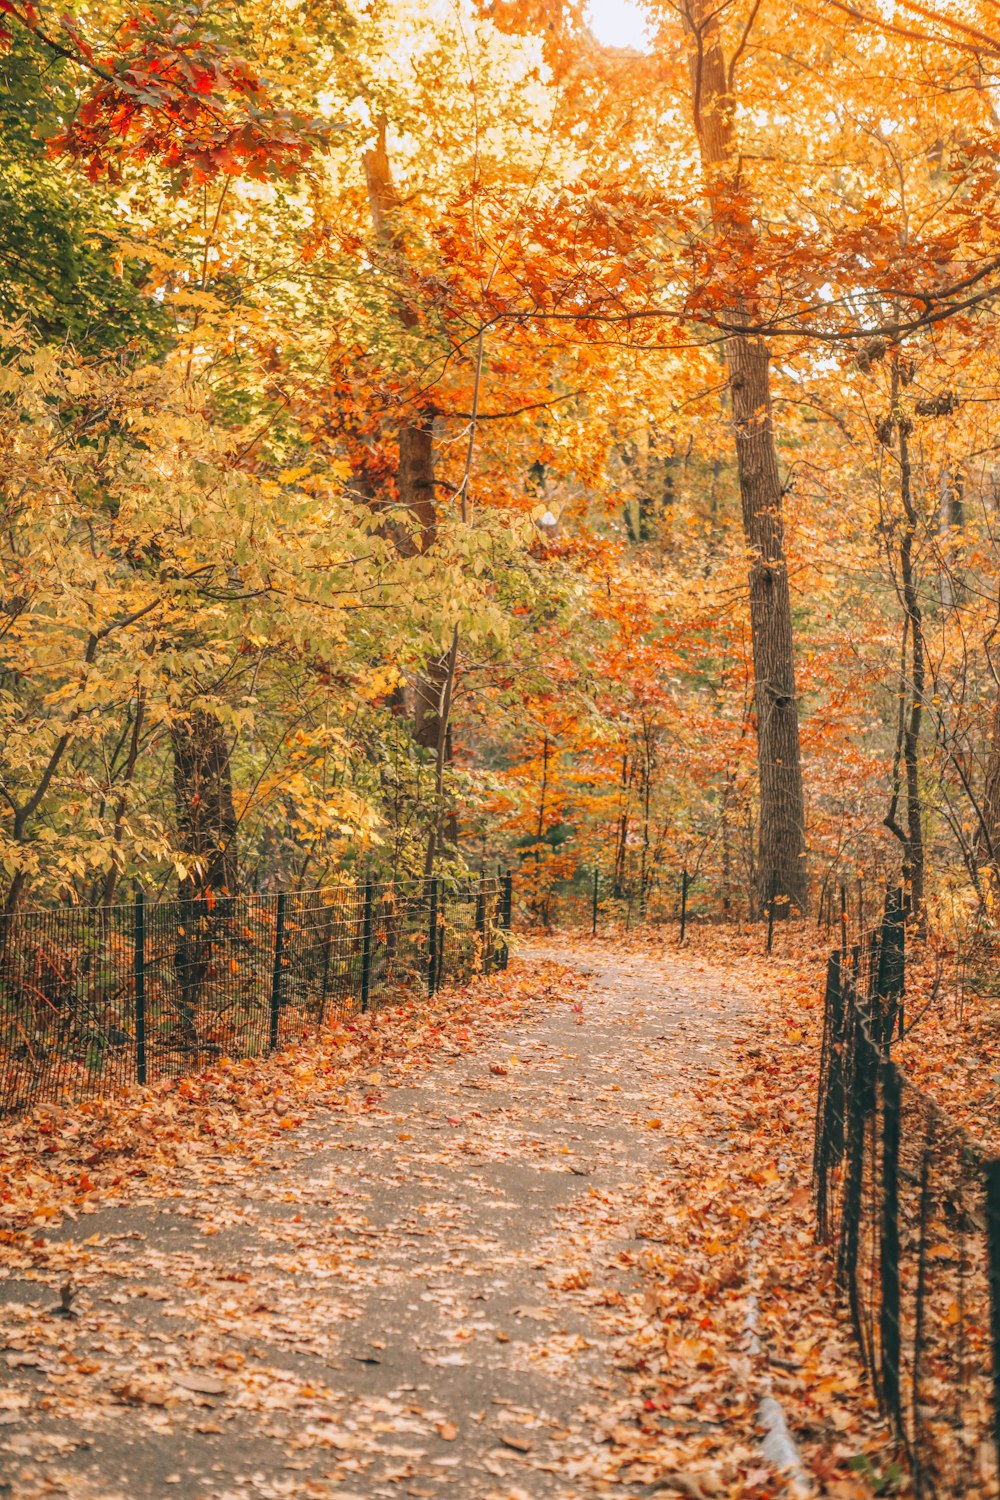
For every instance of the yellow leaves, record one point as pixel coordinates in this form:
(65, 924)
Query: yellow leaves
(150, 253)
(292, 476)
(204, 301)
(379, 681)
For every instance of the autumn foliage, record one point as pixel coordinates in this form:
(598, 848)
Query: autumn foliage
(493, 445)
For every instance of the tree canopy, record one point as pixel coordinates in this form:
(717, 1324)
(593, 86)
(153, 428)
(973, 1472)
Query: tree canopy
(430, 436)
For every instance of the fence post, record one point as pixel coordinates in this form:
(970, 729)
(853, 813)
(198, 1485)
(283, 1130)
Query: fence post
(684, 903)
(439, 967)
(366, 946)
(874, 946)
(829, 1142)
(508, 906)
(593, 914)
(889, 1245)
(843, 920)
(920, 1305)
(480, 923)
(490, 890)
(432, 938)
(857, 1089)
(279, 948)
(992, 1172)
(327, 939)
(139, 962)
(891, 969)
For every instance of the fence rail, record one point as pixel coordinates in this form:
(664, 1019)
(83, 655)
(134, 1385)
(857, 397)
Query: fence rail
(910, 1204)
(94, 998)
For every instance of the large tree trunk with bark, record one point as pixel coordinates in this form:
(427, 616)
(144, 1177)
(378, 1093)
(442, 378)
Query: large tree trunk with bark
(781, 861)
(207, 827)
(428, 692)
(912, 687)
(416, 528)
(781, 865)
(415, 479)
(203, 792)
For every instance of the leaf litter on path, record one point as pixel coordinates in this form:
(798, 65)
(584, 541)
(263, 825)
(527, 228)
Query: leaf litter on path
(322, 1270)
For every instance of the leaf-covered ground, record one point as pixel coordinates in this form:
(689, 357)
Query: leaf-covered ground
(508, 1246)
(951, 1046)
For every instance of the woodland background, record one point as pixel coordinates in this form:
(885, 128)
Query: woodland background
(429, 437)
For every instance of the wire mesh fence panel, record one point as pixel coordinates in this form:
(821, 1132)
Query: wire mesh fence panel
(207, 967)
(400, 943)
(319, 973)
(65, 1003)
(93, 999)
(467, 928)
(903, 1197)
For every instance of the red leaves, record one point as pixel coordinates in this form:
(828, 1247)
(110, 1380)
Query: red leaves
(170, 89)
(6, 8)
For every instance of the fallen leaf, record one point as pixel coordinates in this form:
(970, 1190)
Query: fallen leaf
(204, 1385)
(515, 1441)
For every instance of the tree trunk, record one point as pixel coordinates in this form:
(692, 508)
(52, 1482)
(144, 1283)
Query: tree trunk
(621, 838)
(727, 792)
(911, 693)
(781, 861)
(414, 529)
(415, 474)
(206, 819)
(111, 877)
(206, 825)
(952, 514)
(415, 479)
(781, 866)
(426, 700)
(442, 753)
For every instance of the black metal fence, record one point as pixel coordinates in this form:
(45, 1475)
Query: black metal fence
(598, 899)
(609, 897)
(667, 894)
(93, 998)
(911, 1207)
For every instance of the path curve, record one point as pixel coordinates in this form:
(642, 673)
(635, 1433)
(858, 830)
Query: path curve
(433, 1296)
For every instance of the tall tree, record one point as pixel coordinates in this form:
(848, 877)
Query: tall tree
(781, 870)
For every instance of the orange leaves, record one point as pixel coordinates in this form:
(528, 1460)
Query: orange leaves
(171, 89)
(233, 1106)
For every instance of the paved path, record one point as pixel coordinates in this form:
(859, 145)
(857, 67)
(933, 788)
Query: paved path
(428, 1297)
